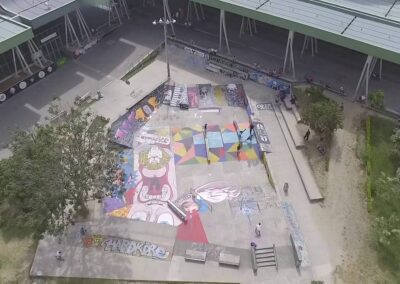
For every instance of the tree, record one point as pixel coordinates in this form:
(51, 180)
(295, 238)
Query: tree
(377, 99)
(52, 172)
(323, 116)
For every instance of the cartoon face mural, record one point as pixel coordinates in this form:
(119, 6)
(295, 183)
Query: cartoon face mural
(153, 161)
(217, 191)
(187, 203)
(153, 167)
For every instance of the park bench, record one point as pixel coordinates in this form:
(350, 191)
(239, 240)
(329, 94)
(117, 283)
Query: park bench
(213, 68)
(195, 255)
(81, 99)
(229, 259)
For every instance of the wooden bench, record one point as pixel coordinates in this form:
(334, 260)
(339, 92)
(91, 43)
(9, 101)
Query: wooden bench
(195, 255)
(229, 259)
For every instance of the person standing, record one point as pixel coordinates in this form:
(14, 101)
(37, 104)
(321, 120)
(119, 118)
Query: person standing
(258, 230)
(307, 135)
(59, 255)
(83, 231)
(239, 146)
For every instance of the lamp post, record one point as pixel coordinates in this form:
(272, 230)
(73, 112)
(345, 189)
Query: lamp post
(165, 22)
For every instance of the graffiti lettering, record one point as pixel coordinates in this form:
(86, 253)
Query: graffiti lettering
(125, 246)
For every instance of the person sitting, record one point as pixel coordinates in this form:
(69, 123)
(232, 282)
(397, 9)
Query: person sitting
(293, 100)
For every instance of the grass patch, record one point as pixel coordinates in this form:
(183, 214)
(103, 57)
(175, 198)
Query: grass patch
(385, 209)
(141, 65)
(380, 155)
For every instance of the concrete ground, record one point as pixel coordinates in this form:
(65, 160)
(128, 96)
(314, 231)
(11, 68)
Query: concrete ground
(226, 229)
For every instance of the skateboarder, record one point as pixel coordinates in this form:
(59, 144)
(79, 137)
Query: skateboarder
(239, 146)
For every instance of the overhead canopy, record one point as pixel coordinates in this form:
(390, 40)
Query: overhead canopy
(12, 34)
(367, 31)
(37, 13)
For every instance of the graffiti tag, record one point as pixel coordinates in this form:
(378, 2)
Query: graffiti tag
(126, 246)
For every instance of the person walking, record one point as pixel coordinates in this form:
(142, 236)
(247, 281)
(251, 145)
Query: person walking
(258, 230)
(307, 135)
(83, 231)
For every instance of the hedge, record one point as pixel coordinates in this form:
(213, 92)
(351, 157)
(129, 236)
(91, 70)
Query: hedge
(369, 169)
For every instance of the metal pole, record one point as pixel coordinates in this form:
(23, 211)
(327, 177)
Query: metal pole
(165, 38)
(380, 69)
(220, 30)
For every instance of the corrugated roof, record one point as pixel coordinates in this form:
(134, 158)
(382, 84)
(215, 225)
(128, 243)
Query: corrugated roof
(361, 27)
(38, 12)
(373, 7)
(308, 14)
(13, 33)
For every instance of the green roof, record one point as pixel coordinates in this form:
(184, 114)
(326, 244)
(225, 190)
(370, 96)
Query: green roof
(13, 33)
(357, 29)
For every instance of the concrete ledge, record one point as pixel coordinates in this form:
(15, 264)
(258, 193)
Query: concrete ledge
(296, 113)
(291, 121)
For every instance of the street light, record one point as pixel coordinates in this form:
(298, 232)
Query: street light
(165, 22)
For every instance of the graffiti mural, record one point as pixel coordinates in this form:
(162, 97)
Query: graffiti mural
(217, 191)
(189, 145)
(252, 200)
(206, 96)
(296, 233)
(126, 246)
(235, 95)
(155, 167)
(125, 127)
(192, 202)
(148, 180)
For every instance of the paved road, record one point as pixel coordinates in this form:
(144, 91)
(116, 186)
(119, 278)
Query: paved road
(107, 61)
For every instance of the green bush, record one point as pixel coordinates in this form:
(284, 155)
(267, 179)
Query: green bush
(369, 166)
(377, 99)
(395, 138)
(324, 117)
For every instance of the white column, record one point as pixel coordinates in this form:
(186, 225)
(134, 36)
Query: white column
(15, 62)
(22, 60)
(289, 54)
(222, 28)
(365, 76)
(203, 17)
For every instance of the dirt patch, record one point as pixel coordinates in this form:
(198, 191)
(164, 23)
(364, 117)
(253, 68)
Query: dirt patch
(345, 207)
(16, 257)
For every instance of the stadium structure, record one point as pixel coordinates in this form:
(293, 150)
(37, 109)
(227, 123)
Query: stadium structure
(36, 34)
